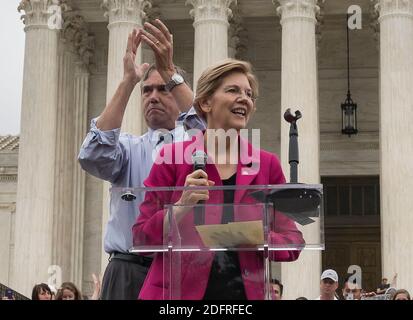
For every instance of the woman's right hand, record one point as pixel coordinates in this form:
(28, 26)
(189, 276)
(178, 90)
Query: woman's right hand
(189, 198)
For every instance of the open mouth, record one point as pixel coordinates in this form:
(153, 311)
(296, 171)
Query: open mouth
(239, 112)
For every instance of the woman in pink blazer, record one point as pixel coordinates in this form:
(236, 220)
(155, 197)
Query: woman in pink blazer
(225, 98)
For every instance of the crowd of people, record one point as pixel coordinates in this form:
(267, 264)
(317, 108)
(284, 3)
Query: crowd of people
(351, 290)
(66, 291)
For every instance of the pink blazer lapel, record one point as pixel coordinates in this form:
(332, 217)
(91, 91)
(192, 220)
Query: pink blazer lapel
(248, 167)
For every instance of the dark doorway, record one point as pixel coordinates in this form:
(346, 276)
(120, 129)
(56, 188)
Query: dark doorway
(352, 227)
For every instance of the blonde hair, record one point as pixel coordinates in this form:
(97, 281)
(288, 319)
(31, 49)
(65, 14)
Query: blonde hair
(212, 78)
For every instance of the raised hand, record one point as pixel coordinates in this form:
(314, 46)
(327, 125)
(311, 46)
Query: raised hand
(96, 287)
(132, 71)
(157, 36)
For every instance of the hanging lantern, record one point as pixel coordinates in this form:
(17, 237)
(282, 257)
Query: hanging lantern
(348, 108)
(349, 116)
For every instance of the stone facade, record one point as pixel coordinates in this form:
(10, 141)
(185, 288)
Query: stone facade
(83, 65)
(9, 152)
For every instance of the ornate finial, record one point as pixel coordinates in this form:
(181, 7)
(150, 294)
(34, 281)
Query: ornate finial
(124, 10)
(298, 9)
(43, 12)
(207, 9)
(374, 10)
(320, 21)
(152, 12)
(75, 31)
(238, 35)
(148, 8)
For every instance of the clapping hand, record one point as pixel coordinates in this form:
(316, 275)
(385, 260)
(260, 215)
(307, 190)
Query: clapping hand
(132, 71)
(157, 36)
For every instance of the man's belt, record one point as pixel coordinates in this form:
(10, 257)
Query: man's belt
(143, 261)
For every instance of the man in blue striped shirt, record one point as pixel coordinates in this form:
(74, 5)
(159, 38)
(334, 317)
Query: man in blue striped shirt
(125, 160)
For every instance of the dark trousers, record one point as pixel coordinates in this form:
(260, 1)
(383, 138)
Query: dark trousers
(124, 277)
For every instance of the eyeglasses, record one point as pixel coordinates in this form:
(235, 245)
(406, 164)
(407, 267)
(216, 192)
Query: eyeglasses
(237, 91)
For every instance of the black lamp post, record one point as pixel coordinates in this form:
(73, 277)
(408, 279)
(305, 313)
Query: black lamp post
(349, 107)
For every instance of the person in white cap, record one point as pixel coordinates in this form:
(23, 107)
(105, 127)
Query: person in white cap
(328, 285)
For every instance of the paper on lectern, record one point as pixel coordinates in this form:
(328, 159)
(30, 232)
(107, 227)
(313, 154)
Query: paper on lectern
(233, 234)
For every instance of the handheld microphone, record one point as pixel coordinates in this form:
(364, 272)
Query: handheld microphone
(199, 159)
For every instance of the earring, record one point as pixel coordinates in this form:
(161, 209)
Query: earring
(206, 108)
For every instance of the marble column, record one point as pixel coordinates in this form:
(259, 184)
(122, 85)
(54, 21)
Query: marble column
(211, 32)
(81, 90)
(396, 145)
(36, 179)
(78, 50)
(299, 91)
(62, 212)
